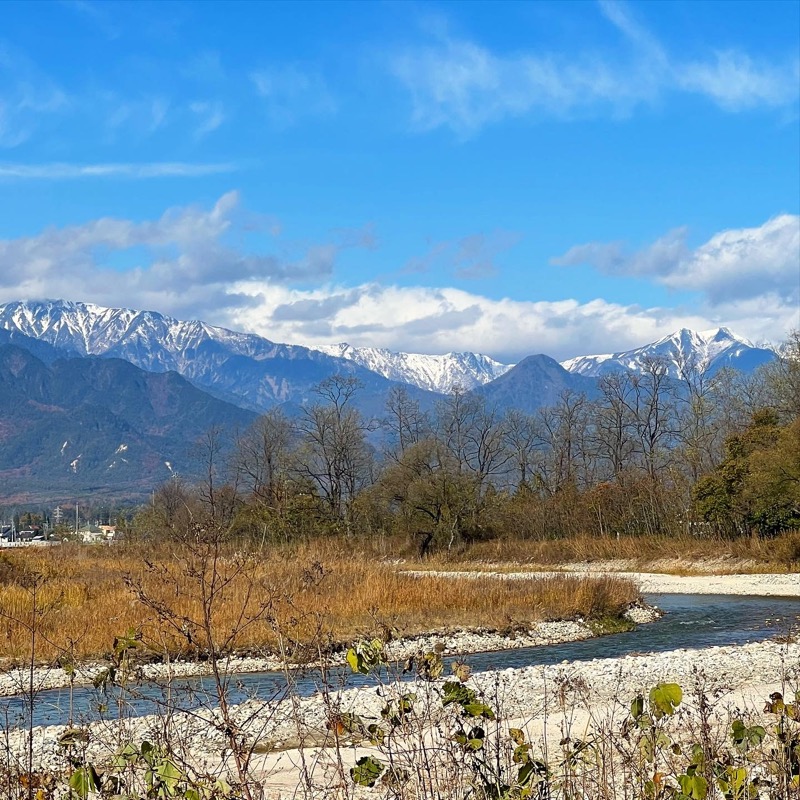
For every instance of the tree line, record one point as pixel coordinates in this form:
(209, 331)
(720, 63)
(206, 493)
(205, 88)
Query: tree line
(648, 454)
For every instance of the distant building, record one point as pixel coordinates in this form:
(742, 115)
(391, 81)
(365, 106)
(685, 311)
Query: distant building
(96, 533)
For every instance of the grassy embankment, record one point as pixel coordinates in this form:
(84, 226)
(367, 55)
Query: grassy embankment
(317, 595)
(679, 555)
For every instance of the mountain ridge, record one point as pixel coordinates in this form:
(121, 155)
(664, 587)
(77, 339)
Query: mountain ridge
(257, 373)
(706, 351)
(436, 373)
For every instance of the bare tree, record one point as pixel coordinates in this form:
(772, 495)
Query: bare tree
(652, 405)
(263, 456)
(334, 452)
(614, 423)
(563, 430)
(404, 422)
(524, 445)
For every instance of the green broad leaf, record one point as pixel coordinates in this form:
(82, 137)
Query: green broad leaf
(665, 699)
(522, 754)
(693, 786)
(478, 709)
(376, 734)
(83, 781)
(453, 692)
(745, 737)
(366, 771)
(168, 775)
(149, 753)
(637, 706)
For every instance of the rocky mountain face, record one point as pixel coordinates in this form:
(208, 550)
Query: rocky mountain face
(706, 351)
(439, 374)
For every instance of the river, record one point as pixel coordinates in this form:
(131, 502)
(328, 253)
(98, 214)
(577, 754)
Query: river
(690, 621)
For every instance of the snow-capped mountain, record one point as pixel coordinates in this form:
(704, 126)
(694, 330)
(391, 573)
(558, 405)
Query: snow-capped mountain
(245, 368)
(706, 351)
(434, 373)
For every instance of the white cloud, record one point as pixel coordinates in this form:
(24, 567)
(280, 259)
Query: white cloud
(430, 320)
(181, 263)
(157, 169)
(732, 265)
(736, 82)
(458, 83)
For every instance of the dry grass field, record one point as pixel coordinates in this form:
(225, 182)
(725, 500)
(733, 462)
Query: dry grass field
(675, 554)
(182, 597)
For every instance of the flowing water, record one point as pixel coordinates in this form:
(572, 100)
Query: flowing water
(690, 621)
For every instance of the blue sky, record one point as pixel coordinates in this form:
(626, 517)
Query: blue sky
(508, 178)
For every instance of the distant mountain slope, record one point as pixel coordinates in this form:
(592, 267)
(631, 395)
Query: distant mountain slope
(239, 367)
(535, 382)
(44, 351)
(706, 350)
(432, 372)
(98, 426)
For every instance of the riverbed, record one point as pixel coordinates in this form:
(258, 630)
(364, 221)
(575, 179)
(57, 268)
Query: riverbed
(740, 648)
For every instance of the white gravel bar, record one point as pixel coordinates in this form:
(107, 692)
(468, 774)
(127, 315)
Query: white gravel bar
(756, 585)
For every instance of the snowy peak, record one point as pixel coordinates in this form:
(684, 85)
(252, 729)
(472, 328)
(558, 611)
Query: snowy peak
(434, 373)
(706, 351)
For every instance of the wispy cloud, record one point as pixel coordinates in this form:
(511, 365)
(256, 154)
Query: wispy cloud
(737, 82)
(459, 83)
(470, 257)
(291, 92)
(26, 95)
(210, 116)
(65, 171)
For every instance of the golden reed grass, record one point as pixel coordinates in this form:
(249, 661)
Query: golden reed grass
(86, 595)
(684, 554)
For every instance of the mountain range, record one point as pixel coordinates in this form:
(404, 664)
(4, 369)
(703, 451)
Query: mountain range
(106, 400)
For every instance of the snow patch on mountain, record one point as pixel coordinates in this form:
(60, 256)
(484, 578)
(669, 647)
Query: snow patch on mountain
(436, 373)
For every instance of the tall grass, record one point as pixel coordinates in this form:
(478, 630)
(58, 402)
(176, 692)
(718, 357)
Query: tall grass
(684, 553)
(88, 594)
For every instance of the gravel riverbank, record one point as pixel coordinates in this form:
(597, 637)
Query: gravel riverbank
(760, 585)
(457, 642)
(295, 739)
